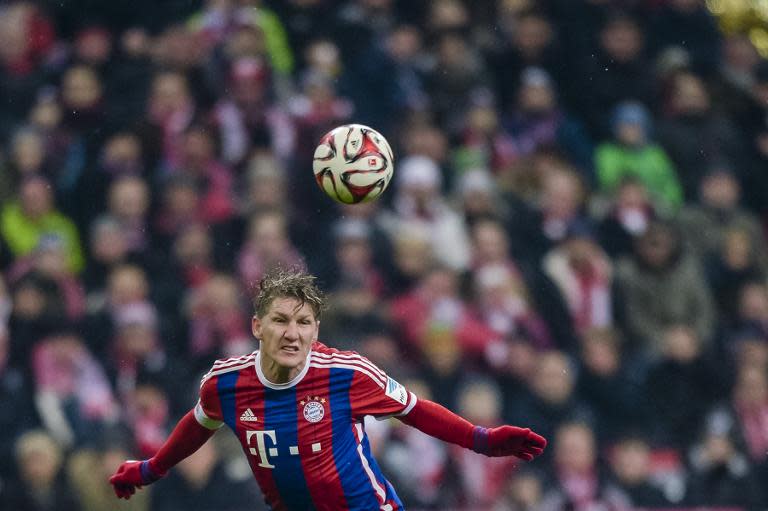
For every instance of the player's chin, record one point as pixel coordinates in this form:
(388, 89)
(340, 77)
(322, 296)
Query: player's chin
(290, 358)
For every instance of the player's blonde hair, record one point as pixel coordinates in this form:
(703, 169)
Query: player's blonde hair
(289, 283)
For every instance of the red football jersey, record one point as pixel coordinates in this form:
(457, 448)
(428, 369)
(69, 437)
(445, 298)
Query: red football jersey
(304, 439)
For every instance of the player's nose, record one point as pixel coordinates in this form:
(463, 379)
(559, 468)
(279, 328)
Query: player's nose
(291, 331)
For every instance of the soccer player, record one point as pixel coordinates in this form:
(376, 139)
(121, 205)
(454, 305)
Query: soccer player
(297, 407)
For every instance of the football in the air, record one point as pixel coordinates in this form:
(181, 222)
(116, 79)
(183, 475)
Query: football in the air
(353, 163)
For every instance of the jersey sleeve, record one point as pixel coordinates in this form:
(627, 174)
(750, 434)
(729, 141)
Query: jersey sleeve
(208, 408)
(375, 393)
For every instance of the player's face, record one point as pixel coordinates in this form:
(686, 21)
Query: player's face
(286, 331)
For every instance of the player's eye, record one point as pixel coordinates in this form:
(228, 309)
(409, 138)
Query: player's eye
(279, 320)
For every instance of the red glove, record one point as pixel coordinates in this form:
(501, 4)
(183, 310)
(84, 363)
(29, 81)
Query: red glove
(508, 441)
(132, 475)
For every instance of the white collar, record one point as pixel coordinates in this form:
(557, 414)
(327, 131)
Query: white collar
(277, 386)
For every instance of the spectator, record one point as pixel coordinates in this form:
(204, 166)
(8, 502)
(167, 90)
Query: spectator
(354, 255)
(661, 285)
(752, 308)
(197, 160)
(412, 63)
(459, 75)
(354, 317)
(170, 110)
(736, 264)
(583, 273)
(38, 308)
(418, 463)
(681, 385)
(630, 212)
(744, 414)
(482, 479)
(579, 481)
(412, 258)
(49, 260)
(28, 37)
(436, 305)
(718, 212)
(484, 141)
(552, 399)
(524, 492)
(318, 109)
(26, 157)
(72, 395)
(607, 380)
(479, 198)
(632, 152)
(537, 119)
(687, 24)
(193, 255)
(122, 154)
(419, 200)
(15, 396)
(42, 485)
(267, 245)
(108, 247)
(720, 472)
(504, 305)
(735, 74)
(247, 119)
(616, 72)
(561, 202)
(689, 115)
(219, 22)
(204, 481)
(178, 209)
(218, 325)
(755, 130)
(528, 40)
(24, 221)
(88, 467)
(631, 468)
(129, 200)
(146, 408)
(266, 186)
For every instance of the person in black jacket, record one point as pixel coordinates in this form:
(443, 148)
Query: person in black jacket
(631, 468)
(41, 485)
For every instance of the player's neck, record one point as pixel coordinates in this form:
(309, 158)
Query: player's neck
(276, 373)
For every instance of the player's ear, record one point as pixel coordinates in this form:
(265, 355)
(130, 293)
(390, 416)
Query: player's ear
(256, 326)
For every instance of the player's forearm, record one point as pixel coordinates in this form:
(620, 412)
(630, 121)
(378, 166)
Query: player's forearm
(187, 437)
(437, 421)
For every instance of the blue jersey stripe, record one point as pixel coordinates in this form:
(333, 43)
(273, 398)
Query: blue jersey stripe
(280, 415)
(355, 482)
(226, 389)
(391, 495)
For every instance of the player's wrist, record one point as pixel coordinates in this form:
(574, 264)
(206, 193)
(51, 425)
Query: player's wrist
(480, 437)
(149, 473)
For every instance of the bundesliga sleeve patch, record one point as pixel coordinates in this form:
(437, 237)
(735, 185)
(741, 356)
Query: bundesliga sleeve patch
(396, 391)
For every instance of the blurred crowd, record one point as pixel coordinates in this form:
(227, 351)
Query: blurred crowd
(574, 239)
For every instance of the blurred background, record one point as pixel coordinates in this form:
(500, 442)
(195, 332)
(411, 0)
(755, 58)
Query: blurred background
(574, 239)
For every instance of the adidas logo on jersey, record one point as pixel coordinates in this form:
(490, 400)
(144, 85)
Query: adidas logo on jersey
(248, 416)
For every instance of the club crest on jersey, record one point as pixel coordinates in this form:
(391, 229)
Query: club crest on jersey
(314, 411)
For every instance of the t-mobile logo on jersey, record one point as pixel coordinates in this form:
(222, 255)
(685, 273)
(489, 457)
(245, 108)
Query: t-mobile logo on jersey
(263, 451)
(261, 445)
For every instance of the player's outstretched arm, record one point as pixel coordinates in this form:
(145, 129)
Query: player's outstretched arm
(439, 422)
(187, 437)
